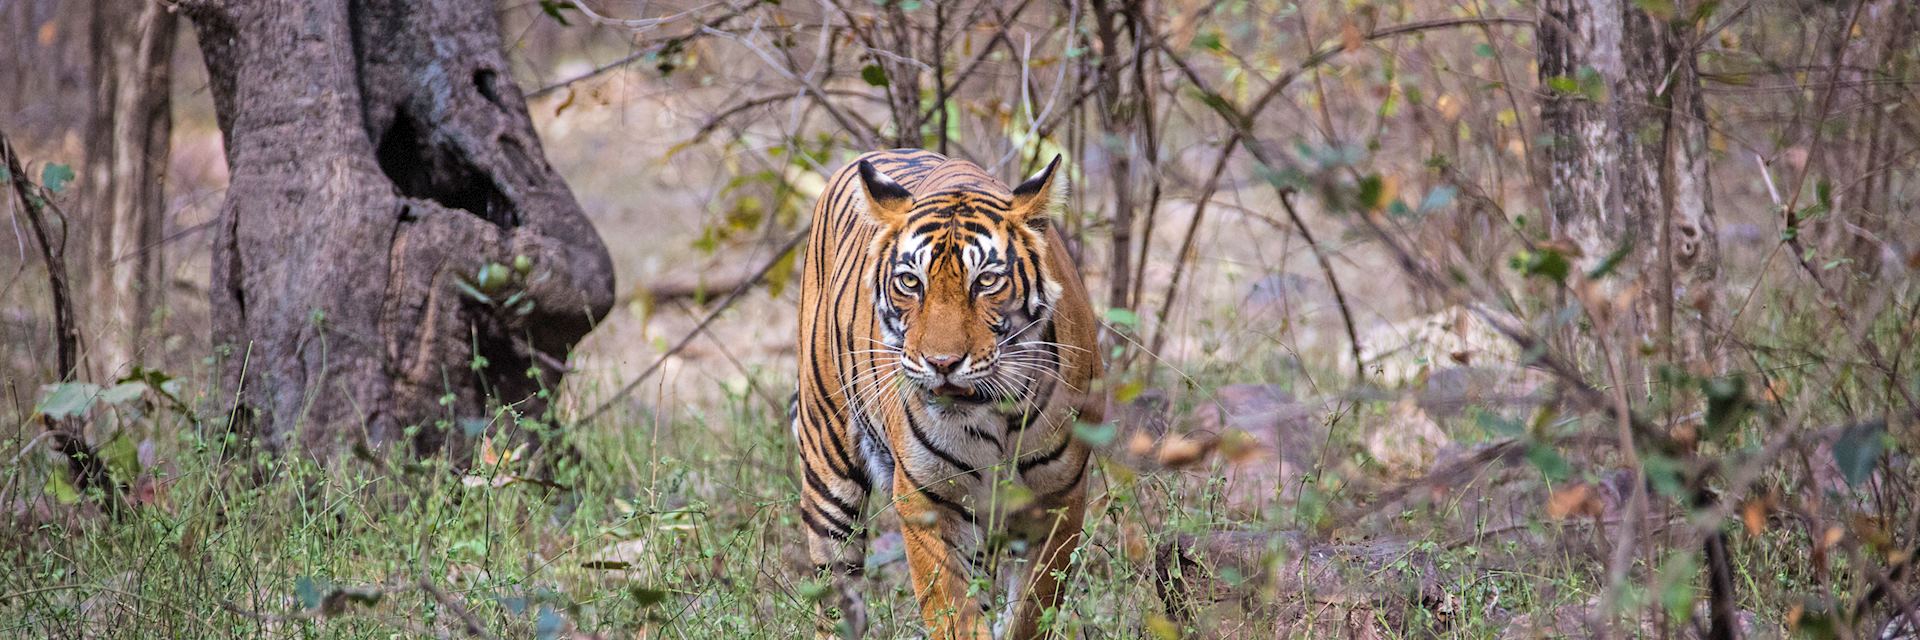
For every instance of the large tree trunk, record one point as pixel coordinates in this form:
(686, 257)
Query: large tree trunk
(1628, 164)
(124, 204)
(1628, 160)
(380, 155)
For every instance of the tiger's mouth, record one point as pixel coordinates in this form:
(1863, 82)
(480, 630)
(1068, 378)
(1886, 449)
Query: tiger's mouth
(952, 393)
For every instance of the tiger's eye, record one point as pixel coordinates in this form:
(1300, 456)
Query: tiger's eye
(907, 283)
(987, 281)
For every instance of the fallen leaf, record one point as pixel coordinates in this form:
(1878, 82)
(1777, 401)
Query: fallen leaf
(1578, 499)
(1754, 514)
(1180, 451)
(1140, 445)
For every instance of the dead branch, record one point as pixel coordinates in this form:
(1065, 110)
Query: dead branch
(87, 469)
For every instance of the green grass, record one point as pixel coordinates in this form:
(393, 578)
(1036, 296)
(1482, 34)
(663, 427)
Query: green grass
(677, 520)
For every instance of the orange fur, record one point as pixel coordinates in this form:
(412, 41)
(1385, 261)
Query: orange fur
(945, 340)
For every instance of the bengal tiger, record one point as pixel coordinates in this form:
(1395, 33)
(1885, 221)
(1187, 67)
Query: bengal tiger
(945, 346)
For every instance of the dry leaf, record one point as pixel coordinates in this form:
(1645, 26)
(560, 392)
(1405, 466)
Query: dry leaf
(1240, 447)
(1134, 543)
(1140, 445)
(1179, 451)
(1350, 37)
(1578, 499)
(1754, 514)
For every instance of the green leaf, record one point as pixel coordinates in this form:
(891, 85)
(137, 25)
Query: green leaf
(1438, 198)
(55, 177)
(1373, 189)
(122, 457)
(1483, 50)
(1546, 263)
(647, 597)
(59, 489)
(1122, 317)
(1592, 85)
(1563, 85)
(553, 7)
(1676, 583)
(1658, 9)
(1097, 435)
(123, 392)
(1726, 404)
(1549, 462)
(1497, 424)
(1704, 10)
(308, 591)
(1209, 41)
(1858, 449)
(814, 590)
(469, 291)
(1612, 261)
(67, 399)
(548, 624)
(874, 75)
(1663, 473)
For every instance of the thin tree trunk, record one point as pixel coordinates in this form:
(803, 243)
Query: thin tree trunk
(381, 160)
(124, 206)
(1628, 163)
(1117, 124)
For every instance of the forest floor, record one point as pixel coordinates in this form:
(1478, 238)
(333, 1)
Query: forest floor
(1401, 509)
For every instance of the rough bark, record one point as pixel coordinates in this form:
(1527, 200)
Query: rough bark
(379, 154)
(1628, 165)
(1628, 162)
(124, 206)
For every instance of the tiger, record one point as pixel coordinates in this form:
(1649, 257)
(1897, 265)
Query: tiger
(946, 349)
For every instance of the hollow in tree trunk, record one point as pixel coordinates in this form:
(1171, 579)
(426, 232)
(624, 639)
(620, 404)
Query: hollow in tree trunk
(395, 260)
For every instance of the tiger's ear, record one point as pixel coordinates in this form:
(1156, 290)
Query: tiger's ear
(887, 201)
(1041, 197)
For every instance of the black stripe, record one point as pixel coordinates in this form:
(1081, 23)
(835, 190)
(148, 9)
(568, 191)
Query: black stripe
(819, 486)
(1028, 464)
(914, 426)
(937, 499)
(823, 429)
(850, 569)
(823, 530)
(1077, 479)
(988, 436)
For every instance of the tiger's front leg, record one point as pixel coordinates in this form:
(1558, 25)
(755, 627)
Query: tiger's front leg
(1054, 519)
(832, 506)
(940, 537)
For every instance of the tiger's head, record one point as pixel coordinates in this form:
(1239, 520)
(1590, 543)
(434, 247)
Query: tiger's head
(962, 284)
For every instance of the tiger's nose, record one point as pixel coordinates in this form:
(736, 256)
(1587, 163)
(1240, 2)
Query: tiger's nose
(943, 364)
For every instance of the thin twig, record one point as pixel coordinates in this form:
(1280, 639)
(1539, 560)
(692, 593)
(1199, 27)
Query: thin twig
(725, 303)
(1326, 270)
(473, 625)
